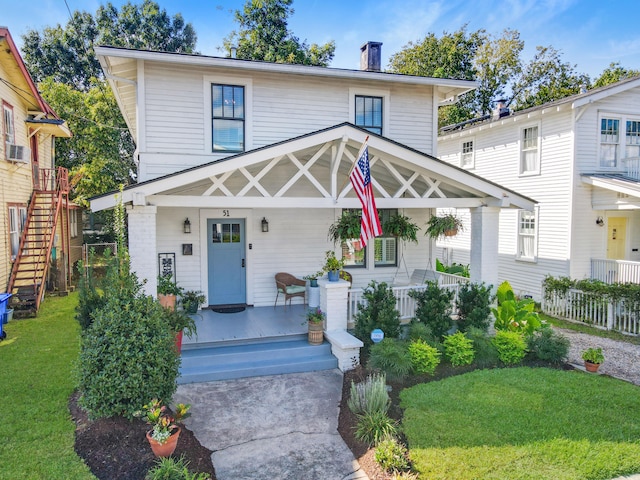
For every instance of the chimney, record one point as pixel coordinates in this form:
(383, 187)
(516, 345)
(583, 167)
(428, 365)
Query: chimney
(370, 54)
(501, 109)
(583, 88)
(234, 51)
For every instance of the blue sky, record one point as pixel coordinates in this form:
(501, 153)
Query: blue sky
(591, 34)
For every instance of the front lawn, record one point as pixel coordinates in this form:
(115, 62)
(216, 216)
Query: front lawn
(523, 423)
(37, 378)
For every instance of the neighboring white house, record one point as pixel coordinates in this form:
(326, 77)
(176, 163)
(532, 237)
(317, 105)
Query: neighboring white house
(579, 158)
(232, 144)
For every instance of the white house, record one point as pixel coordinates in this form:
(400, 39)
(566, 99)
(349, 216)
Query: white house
(232, 145)
(579, 158)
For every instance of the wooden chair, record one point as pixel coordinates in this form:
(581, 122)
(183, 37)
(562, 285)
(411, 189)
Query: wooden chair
(344, 275)
(290, 287)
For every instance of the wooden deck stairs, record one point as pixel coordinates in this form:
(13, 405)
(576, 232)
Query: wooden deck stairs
(29, 270)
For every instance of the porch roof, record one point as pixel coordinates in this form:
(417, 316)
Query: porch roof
(311, 171)
(618, 183)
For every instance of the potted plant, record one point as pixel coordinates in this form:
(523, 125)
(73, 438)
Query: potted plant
(313, 278)
(401, 227)
(163, 437)
(446, 225)
(168, 290)
(315, 321)
(191, 300)
(332, 265)
(347, 227)
(592, 357)
(180, 322)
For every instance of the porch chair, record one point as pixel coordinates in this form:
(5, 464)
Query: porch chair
(290, 287)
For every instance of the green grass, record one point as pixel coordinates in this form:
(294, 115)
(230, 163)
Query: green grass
(523, 423)
(37, 376)
(585, 328)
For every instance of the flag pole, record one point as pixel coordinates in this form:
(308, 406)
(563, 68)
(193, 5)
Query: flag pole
(353, 165)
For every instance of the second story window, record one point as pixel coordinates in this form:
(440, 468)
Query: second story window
(228, 118)
(609, 141)
(633, 139)
(369, 113)
(529, 151)
(8, 130)
(466, 156)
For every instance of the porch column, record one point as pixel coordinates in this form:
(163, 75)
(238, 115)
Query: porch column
(334, 297)
(484, 245)
(142, 245)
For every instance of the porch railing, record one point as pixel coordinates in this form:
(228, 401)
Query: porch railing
(632, 165)
(592, 309)
(404, 303)
(612, 271)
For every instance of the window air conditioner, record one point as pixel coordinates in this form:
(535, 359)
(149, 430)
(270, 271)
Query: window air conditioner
(17, 153)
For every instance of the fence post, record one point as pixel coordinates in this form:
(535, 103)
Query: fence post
(610, 315)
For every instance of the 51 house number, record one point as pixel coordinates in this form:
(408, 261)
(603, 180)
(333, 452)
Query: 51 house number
(226, 213)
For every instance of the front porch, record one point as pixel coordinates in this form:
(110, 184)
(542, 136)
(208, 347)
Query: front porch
(615, 271)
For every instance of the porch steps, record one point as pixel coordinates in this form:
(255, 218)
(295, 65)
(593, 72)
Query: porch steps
(278, 355)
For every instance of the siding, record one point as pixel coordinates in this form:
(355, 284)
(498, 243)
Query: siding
(497, 155)
(296, 243)
(283, 106)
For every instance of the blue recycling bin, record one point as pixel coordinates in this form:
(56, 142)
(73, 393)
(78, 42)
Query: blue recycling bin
(4, 300)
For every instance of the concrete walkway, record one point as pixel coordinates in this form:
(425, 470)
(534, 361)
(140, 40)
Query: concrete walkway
(281, 426)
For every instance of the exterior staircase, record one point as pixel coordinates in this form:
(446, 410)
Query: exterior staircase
(229, 360)
(29, 271)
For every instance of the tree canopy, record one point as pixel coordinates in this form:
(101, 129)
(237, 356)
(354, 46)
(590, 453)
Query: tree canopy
(263, 34)
(614, 73)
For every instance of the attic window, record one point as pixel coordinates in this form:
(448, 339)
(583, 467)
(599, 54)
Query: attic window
(369, 113)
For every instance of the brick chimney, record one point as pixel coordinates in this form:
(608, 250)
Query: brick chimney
(501, 109)
(370, 56)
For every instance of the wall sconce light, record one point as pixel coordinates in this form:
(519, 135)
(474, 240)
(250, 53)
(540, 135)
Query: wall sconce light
(600, 222)
(265, 225)
(186, 227)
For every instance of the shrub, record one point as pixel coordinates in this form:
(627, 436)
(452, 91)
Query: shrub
(171, 469)
(513, 314)
(89, 300)
(473, 306)
(420, 331)
(424, 357)
(392, 357)
(549, 346)
(486, 355)
(370, 395)
(459, 349)
(373, 427)
(434, 308)
(510, 346)
(378, 311)
(391, 455)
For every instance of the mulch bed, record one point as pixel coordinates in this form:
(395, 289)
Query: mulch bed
(117, 448)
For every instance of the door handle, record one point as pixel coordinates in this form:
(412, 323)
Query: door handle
(243, 263)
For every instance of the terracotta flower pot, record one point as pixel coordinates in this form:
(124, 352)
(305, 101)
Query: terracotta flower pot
(591, 367)
(167, 301)
(164, 449)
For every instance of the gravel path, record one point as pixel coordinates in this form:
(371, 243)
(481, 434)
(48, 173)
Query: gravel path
(621, 359)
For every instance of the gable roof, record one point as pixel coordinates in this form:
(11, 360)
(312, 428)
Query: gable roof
(20, 80)
(307, 171)
(576, 101)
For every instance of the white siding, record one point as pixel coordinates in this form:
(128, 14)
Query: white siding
(282, 107)
(296, 243)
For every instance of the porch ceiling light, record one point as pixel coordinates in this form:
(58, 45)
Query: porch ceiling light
(265, 225)
(186, 227)
(600, 222)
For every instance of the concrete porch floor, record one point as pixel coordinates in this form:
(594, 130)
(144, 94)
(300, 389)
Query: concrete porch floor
(252, 323)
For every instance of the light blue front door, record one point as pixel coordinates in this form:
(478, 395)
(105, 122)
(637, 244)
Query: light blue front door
(227, 269)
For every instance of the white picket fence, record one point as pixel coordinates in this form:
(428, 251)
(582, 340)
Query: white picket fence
(404, 303)
(612, 271)
(592, 309)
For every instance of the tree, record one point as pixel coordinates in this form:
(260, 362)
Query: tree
(100, 154)
(67, 54)
(614, 73)
(264, 35)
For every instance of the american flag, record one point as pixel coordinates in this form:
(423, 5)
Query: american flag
(361, 180)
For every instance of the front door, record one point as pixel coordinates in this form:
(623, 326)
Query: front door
(616, 238)
(226, 252)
